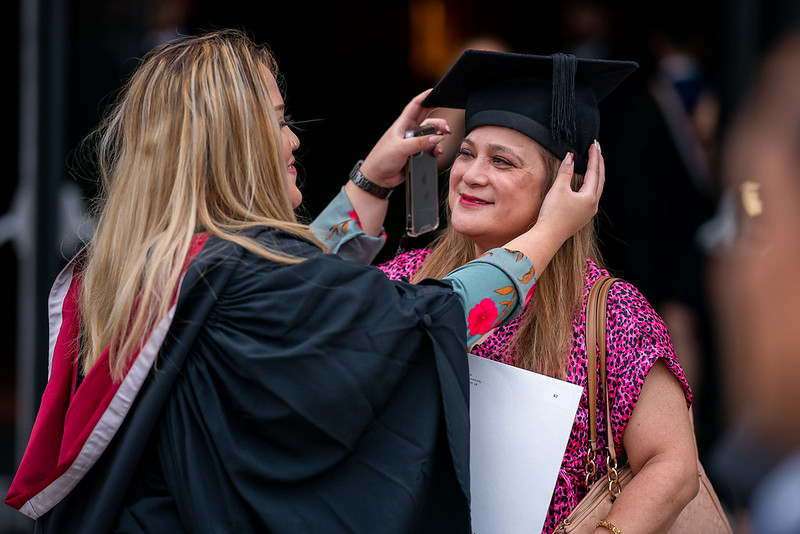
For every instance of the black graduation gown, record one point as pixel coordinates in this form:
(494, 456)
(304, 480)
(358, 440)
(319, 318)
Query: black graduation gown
(317, 397)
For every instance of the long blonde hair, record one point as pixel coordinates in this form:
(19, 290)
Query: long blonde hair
(541, 343)
(192, 144)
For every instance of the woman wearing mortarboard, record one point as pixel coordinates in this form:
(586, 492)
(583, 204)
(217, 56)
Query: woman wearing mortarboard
(525, 116)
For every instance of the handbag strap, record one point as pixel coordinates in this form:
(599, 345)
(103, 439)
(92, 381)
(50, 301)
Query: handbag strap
(596, 353)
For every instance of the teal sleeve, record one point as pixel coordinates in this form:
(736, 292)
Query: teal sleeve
(493, 289)
(338, 227)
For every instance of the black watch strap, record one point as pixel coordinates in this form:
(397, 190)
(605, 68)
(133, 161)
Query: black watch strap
(363, 183)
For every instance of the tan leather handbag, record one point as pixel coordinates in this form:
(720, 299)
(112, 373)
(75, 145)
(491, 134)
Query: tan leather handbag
(703, 514)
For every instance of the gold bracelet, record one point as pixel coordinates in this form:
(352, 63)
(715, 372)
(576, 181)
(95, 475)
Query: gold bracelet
(610, 526)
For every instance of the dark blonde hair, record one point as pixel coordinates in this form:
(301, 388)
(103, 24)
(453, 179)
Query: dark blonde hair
(192, 144)
(541, 343)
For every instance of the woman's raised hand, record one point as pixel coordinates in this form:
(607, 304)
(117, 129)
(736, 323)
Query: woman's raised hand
(385, 163)
(563, 210)
(566, 211)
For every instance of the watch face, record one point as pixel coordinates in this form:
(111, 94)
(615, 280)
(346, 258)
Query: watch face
(356, 168)
(364, 184)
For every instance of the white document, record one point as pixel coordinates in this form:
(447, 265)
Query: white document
(520, 425)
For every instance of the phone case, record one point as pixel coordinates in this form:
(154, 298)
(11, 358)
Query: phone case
(422, 192)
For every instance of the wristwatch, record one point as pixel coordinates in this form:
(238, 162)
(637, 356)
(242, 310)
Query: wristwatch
(363, 183)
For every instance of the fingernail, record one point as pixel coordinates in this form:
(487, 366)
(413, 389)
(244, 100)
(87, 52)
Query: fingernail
(597, 145)
(433, 139)
(568, 160)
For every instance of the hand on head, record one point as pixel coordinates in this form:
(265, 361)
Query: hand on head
(385, 163)
(565, 211)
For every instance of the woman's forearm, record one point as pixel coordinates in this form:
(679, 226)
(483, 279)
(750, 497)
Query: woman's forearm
(371, 210)
(660, 444)
(654, 498)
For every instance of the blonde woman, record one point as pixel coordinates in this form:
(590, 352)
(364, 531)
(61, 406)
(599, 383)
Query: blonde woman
(213, 368)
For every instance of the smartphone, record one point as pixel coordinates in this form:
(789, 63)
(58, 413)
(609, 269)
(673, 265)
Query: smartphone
(422, 188)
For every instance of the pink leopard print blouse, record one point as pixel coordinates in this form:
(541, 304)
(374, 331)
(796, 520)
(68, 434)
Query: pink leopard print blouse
(637, 338)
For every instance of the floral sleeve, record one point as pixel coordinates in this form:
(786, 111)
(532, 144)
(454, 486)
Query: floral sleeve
(490, 288)
(340, 230)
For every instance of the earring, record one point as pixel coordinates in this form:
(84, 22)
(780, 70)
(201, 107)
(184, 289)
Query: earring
(751, 198)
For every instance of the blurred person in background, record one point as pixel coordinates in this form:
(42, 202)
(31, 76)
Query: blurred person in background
(757, 290)
(664, 120)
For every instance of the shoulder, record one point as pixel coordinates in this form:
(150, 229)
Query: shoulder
(591, 273)
(224, 267)
(625, 301)
(286, 242)
(218, 250)
(637, 335)
(405, 265)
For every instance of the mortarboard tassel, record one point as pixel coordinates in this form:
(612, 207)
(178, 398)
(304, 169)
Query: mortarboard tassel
(562, 114)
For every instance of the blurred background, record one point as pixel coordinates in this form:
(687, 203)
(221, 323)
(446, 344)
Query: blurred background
(350, 68)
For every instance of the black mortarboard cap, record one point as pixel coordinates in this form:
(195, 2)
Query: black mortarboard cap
(551, 99)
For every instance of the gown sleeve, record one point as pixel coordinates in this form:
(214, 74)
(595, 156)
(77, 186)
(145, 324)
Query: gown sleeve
(318, 397)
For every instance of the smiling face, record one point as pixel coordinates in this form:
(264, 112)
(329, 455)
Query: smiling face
(497, 184)
(290, 140)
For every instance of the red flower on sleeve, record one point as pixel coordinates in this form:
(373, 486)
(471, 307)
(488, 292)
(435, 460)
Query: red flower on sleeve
(528, 298)
(482, 317)
(353, 215)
